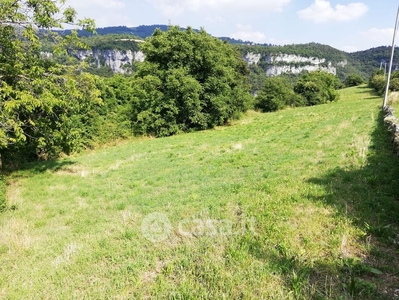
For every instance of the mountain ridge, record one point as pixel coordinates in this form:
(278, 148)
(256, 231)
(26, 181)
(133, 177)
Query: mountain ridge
(361, 62)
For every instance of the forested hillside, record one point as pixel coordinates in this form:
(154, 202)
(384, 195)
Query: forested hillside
(368, 60)
(362, 63)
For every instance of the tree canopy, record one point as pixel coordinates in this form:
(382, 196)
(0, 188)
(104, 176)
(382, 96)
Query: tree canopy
(189, 81)
(277, 93)
(36, 94)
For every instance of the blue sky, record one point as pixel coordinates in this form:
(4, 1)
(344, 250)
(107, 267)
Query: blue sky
(344, 24)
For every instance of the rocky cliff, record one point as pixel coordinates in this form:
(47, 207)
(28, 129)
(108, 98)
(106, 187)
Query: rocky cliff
(275, 65)
(114, 59)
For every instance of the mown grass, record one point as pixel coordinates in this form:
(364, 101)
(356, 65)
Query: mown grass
(297, 204)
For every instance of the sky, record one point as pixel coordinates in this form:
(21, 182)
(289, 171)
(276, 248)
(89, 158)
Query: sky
(345, 25)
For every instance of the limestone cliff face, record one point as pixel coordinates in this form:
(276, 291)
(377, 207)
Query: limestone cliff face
(278, 70)
(290, 59)
(114, 59)
(252, 58)
(275, 65)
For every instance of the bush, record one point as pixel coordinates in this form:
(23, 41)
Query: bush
(378, 83)
(353, 80)
(318, 87)
(276, 94)
(394, 84)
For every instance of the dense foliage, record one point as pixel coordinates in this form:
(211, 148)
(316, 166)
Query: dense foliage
(318, 88)
(38, 97)
(378, 82)
(113, 121)
(353, 80)
(369, 60)
(277, 93)
(189, 81)
(310, 89)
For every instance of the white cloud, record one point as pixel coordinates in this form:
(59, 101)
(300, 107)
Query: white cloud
(95, 4)
(104, 12)
(322, 11)
(382, 35)
(275, 41)
(171, 8)
(246, 33)
(348, 48)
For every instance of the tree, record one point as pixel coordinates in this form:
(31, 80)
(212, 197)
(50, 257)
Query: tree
(276, 94)
(188, 81)
(318, 87)
(37, 96)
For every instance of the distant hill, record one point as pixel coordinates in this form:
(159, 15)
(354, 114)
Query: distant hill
(142, 31)
(361, 62)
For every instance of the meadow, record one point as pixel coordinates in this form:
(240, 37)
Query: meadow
(298, 204)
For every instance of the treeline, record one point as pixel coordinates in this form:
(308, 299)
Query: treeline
(305, 50)
(308, 90)
(123, 42)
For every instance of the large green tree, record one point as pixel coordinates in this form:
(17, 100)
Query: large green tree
(189, 81)
(37, 96)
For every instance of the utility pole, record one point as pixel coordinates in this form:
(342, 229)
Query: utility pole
(384, 104)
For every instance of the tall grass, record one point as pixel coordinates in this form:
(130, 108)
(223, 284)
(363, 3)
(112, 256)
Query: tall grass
(297, 204)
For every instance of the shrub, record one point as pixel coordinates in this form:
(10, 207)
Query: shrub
(353, 80)
(276, 94)
(318, 87)
(378, 83)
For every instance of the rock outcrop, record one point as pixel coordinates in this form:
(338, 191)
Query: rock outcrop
(114, 59)
(273, 65)
(277, 64)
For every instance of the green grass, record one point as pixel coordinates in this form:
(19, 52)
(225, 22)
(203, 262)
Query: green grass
(297, 204)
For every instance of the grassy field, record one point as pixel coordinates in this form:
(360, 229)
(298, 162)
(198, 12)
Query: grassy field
(297, 204)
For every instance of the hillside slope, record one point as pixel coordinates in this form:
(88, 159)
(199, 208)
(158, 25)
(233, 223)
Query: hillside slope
(294, 204)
